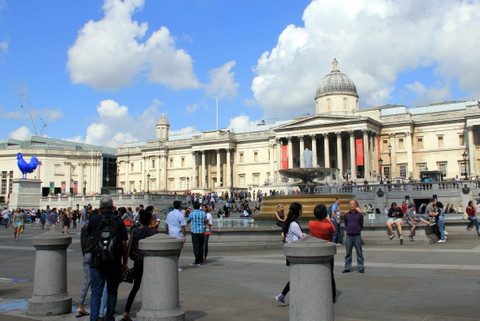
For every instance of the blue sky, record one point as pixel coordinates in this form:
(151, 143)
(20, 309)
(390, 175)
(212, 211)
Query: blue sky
(106, 81)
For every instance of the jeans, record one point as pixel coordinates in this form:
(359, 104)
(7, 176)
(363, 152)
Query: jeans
(197, 242)
(205, 245)
(473, 220)
(98, 280)
(137, 281)
(350, 242)
(441, 228)
(103, 301)
(337, 237)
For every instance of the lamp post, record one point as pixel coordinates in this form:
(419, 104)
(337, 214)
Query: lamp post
(380, 164)
(148, 183)
(465, 159)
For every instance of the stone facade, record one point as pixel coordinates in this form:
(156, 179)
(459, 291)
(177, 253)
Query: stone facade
(392, 141)
(71, 168)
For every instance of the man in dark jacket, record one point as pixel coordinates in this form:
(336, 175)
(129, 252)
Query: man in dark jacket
(353, 229)
(103, 270)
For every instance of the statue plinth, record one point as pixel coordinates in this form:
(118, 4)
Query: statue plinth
(26, 193)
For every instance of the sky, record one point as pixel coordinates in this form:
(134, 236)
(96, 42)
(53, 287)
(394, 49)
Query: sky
(102, 72)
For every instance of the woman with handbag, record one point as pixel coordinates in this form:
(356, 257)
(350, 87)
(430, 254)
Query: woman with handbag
(293, 233)
(146, 229)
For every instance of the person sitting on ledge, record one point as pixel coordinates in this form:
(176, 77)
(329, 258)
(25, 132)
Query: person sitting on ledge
(395, 218)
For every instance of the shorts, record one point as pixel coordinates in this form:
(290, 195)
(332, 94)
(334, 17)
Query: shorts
(411, 223)
(17, 224)
(394, 220)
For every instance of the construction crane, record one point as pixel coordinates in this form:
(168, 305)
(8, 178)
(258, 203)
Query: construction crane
(30, 115)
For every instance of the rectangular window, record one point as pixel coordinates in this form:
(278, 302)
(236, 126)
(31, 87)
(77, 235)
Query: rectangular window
(256, 178)
(269, 155)
(442, 167)
(402, 170)
(385, 146)
(183, 161)
(132, 167)
(386, 171)
(255, 157)
(461, 140)
(422, 167)
(241, 180)
(171, 184)
(170, 162)
(153, 163)
(241, 160)
(420, 142)
(401, 145)
(440, 141)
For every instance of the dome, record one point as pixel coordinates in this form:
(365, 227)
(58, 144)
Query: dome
(163, 120)
(336, 83)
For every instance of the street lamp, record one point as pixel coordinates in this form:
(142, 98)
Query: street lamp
(465, 157)
(148, 183)
(380, 164)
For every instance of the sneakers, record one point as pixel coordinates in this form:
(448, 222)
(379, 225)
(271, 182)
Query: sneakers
(401, 241)
(280, 298)
(411, 239)
(361, 270)
(346, 271)
(195, 264)
(441, 241)
(391, 236)
(179, 270)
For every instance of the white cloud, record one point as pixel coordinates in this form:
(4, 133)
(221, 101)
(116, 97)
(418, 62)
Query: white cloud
(241, 121)
(47, 114)
(21, 133)
(190, 109)
(222, 82)
(4, 46)
(184, 131)
(374, 41)
(115, 125)
(109, 54)
(425, 95)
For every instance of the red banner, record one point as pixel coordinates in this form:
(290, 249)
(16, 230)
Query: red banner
(284, 157)
(359, 151)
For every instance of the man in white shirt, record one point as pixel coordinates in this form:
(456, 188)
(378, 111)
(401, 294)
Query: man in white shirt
(176, 222)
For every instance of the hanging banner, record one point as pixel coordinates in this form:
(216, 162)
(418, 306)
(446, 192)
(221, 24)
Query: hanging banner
(63, 187)
(359, 151)
(284, 156)
(74, 187)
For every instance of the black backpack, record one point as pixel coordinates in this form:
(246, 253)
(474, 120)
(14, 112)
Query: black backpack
(105, 242)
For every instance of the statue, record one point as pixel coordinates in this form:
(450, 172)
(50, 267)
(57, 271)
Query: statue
(25, 167)
(307, 158)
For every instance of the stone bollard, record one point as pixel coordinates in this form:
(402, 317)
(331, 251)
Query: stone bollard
(310, 279)
(50, 296)
(160, 294)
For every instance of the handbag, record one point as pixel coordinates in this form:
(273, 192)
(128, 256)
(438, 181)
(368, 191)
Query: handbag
(127, 276)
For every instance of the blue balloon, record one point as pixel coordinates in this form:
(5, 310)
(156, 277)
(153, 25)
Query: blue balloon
(25, 167)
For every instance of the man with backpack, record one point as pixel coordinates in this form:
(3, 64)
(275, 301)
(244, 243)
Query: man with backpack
(109, 247)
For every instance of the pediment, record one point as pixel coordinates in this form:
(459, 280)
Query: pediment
(316, 121)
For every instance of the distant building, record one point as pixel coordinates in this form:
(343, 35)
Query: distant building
(395, 142)
(66, 167)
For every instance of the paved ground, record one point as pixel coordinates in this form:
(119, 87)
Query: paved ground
(412, 282)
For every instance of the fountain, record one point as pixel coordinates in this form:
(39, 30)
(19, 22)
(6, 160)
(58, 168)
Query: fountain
(307, 178)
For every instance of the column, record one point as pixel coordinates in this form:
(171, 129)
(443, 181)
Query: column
(219, 172)
(165, 173)
(7, 192)
(160, 286)
(471, 152)
(194, 171)
(408, 145)
(80, 178)
(366, 156)
(158, 173)
(393, 159)
(353, 163)
(290, 153)
(314, 151)
(50, 296)
(302, 148)
(279, 154)
(310, 279)
(127, 176)
(68, 176)
(326, 145)
(204, 171)
(272, 161)
(229, 170)
(339, 154)
(145, 172)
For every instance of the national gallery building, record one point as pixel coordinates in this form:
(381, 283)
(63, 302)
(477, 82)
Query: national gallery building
(392, 141)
